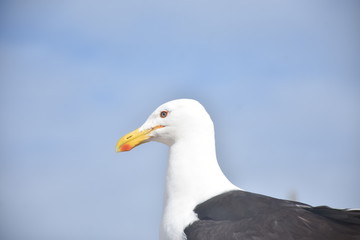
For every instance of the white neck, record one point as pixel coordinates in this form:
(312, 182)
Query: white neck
(193, 176)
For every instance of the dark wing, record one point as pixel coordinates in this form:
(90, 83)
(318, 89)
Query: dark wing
(240, 215)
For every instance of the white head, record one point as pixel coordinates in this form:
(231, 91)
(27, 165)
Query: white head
(169, 123)
(193, 174)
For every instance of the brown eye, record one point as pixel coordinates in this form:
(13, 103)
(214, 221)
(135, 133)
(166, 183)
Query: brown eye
(163, 114)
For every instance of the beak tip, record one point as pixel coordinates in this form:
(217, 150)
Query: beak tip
(124, 148)
(133, 139)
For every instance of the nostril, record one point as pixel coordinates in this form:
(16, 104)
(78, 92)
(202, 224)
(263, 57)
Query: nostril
(129, 137)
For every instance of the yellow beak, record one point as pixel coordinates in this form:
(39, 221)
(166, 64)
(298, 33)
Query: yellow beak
(135, 138)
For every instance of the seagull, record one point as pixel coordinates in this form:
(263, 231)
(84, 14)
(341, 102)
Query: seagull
(200, 203)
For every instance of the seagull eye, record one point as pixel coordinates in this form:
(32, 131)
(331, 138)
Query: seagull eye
(163, 114)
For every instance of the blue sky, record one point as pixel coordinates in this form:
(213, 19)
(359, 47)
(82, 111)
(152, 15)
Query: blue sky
(279, 78)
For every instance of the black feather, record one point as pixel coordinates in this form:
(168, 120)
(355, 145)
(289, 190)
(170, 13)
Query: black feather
(243, 215)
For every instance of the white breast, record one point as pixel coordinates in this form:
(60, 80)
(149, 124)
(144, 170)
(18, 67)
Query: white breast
(193, 176)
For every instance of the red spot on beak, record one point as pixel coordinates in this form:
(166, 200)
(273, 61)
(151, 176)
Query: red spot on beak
(126, 147)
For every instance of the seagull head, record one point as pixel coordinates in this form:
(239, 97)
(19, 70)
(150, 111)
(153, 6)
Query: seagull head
(173, 121)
